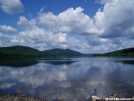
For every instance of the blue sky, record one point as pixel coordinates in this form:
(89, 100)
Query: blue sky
(88, 26)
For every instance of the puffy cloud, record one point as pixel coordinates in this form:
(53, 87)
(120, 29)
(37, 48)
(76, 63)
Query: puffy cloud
(111, 26)
(116, 18)
(7, 40)
(46, 39)
(41, 39)
(24, 23)
(115, 23)
(7, 28)
(11, 6)
(109, 23)
(70, 21)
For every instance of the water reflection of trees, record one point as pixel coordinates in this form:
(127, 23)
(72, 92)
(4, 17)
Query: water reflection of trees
(68, 62)
(127, 61)
(17, 62)
(24, 62)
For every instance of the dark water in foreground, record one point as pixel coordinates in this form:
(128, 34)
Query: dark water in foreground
(64, 78)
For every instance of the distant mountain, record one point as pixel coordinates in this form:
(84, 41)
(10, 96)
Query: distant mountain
(128, 52)
(18, 48)
(22, 51)
(64, 52)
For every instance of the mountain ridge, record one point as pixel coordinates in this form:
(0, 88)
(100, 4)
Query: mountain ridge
(25, 51)
(22, 51)
(19, 48)
(126, 52)
(64, 52)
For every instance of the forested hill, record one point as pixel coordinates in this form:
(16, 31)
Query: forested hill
(64, 52)
(18, 48)
(128, 52)
(22, 51)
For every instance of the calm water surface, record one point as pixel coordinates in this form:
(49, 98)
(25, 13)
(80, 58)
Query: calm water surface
(64, 78)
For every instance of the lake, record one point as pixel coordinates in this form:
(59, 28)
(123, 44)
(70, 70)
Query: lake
(67, 78)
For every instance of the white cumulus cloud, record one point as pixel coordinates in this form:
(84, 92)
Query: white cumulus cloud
(116, 18)
(46, 39)
(7, 28)
(24, 23)
(11, 6)
(70, 21)
(111, 28)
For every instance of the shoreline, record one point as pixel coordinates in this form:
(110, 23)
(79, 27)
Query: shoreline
(14, 97)
(19, 98)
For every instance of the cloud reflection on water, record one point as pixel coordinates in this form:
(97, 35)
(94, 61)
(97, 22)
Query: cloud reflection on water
(49, 81)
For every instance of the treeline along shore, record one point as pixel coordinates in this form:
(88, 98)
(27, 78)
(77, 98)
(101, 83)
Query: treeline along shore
(24, 51)
(128, 52)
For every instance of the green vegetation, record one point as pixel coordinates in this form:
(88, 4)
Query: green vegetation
(22, 51)
(129, 52)
(27, 52)
(64, 52)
